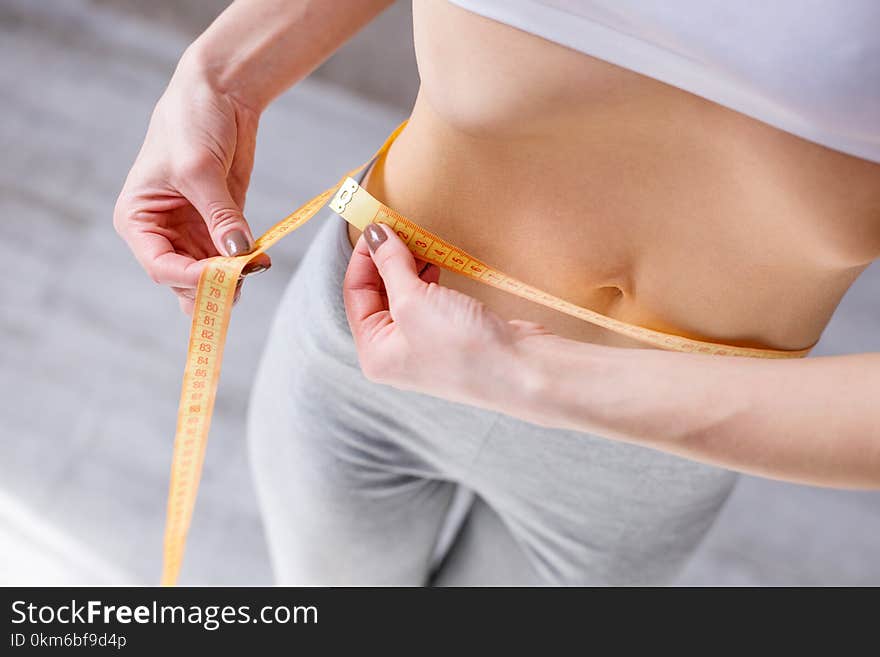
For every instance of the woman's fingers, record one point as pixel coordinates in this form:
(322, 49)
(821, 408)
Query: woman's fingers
(186, 304)
(395, 263)
(167, 267)
(428, 272)
(524, 329)
(389, 270)
(259, 264)
(205, 185)
(157, 256)
(186, 292)
(410, 332)
(363, 290)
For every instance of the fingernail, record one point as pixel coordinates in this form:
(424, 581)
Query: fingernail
(254, 268)
(237, 294)
(237, 243)
(374, 235)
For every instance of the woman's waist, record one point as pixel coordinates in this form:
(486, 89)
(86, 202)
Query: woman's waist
(642, 233)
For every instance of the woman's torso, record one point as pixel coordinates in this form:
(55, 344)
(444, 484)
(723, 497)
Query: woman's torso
(623, 194)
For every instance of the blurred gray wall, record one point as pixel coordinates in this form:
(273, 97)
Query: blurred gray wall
(377, 63)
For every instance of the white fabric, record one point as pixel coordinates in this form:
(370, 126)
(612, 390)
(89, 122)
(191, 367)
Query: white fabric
(809, 67)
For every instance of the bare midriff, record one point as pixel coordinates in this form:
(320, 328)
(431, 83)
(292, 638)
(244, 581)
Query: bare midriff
(623, 194)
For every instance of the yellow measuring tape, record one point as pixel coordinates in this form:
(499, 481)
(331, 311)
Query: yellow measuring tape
(214, 302)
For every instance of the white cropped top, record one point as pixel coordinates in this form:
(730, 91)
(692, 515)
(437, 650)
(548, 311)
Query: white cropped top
(809, 67)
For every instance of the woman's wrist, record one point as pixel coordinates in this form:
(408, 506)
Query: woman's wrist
(256, 49)
(199, 67)
(553, 381)
(615, 392)
(643, 396)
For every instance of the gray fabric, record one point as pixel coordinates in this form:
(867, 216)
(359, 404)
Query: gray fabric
(356, 479)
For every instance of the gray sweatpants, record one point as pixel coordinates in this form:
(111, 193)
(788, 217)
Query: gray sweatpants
(360, 483)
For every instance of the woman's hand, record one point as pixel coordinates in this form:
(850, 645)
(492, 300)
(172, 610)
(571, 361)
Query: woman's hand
(413, 334)
(183, 198)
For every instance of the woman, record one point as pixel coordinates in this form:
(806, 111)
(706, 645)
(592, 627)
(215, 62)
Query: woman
(709, 170)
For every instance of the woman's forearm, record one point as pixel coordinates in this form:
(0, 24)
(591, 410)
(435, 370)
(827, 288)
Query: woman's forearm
(256, 49)
(814, 421)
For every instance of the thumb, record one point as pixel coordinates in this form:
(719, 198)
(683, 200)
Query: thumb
(225, 221)
(396, 265)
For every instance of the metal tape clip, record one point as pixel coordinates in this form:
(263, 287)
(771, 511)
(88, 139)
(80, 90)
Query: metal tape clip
(343, 196)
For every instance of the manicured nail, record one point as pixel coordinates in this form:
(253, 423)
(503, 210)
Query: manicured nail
(374, 235)
(237, 243)
(237, 295)
(254, 268)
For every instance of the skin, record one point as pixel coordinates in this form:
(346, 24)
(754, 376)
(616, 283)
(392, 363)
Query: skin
(810, 421)
(184, 197)
(659, 208)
